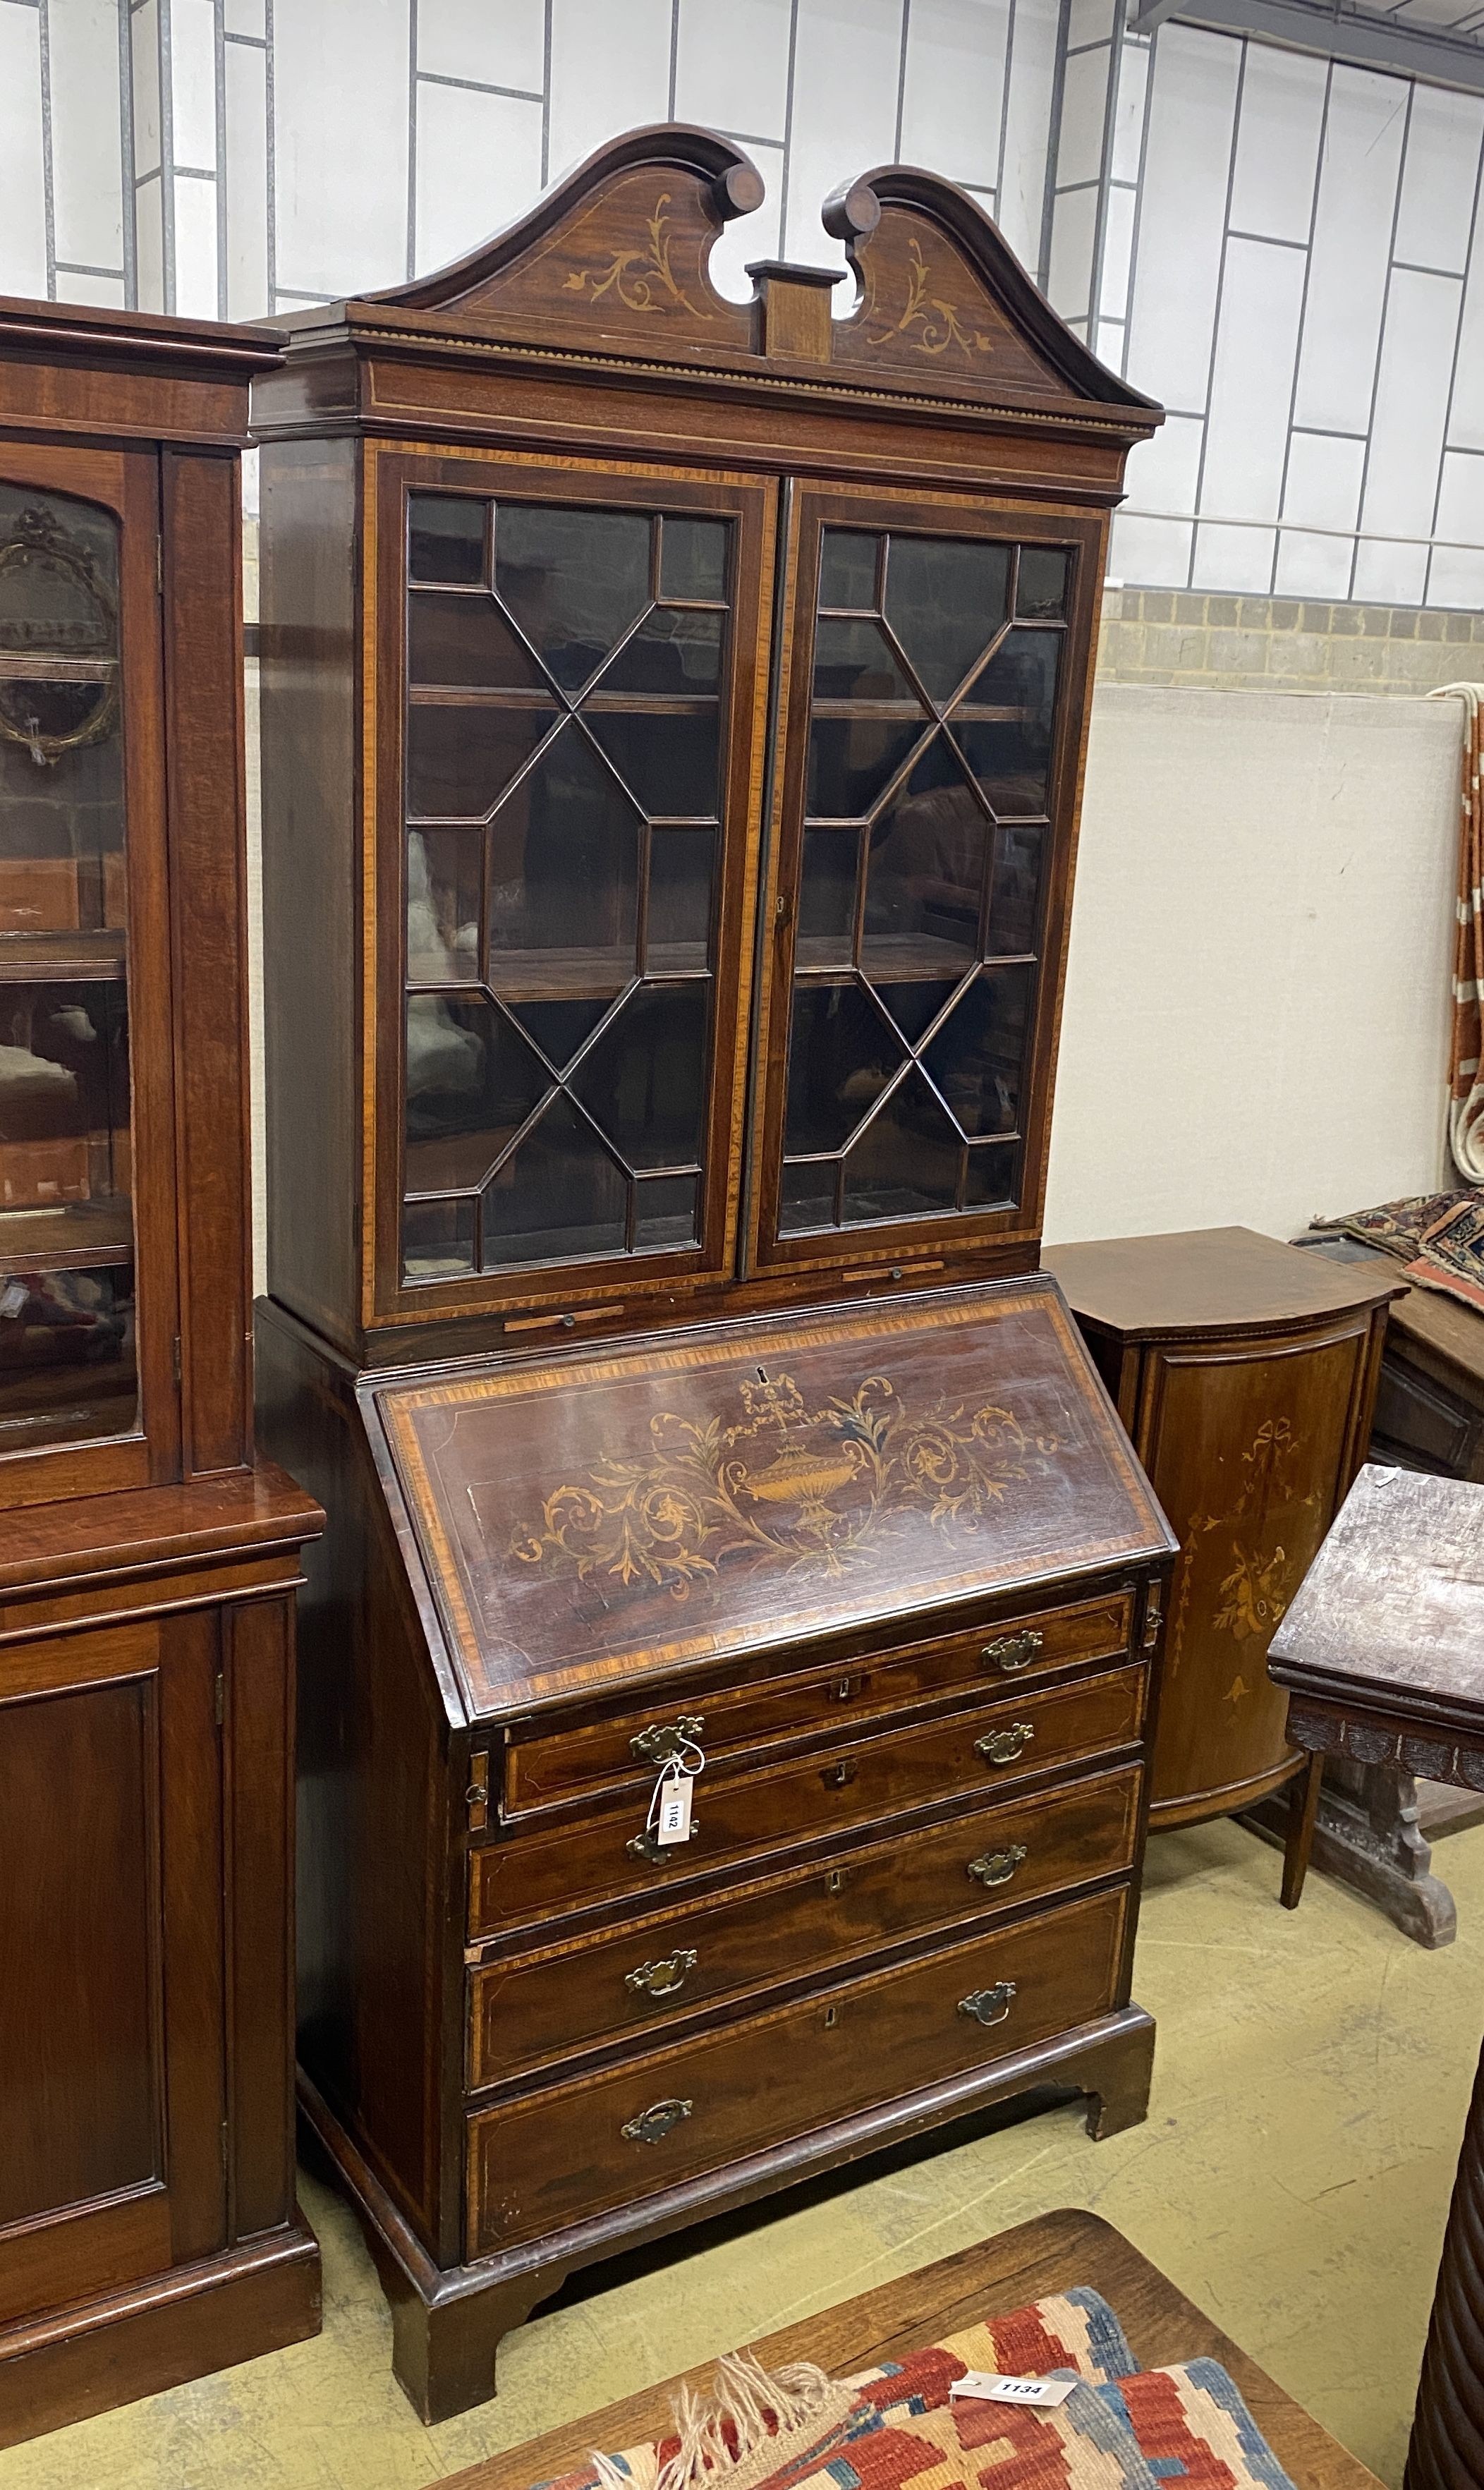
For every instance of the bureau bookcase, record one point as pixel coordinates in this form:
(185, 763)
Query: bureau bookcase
(674, 716)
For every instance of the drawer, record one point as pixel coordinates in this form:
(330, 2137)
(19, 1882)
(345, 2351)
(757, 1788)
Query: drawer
(531, 1874)
(542, 1771)
(583, 2148)
(523, 2014)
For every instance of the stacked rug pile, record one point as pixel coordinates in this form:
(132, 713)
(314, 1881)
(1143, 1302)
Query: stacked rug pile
(928, 2421)
(1438, 1238)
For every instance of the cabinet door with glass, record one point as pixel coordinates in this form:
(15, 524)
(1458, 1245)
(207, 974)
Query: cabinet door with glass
(940, 652)
(570, 769)
(86, 1223)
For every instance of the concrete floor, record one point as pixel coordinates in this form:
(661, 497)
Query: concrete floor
(1310, 2086)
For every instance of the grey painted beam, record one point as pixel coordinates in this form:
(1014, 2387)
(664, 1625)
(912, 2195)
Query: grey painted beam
(1150, 13)
(1372, 42)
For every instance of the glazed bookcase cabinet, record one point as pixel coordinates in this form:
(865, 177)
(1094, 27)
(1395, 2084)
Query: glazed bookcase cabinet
(148, 2223)
(674, 717)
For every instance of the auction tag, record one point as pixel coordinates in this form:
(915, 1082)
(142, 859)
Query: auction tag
(985, 2387)
(674, 1819)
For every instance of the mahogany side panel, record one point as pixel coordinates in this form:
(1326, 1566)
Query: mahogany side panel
(258, 1695)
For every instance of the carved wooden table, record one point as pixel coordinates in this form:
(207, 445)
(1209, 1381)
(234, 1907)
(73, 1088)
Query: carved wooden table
(1382, 1653)
(1038, 2258)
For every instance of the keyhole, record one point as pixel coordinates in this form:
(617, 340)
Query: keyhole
(831, 2016)
(762, 1375)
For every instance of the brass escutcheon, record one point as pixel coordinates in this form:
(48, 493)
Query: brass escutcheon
(1002, 1745)
(665, 1738)
(664, 1977)
(1013, 1651)
(654, 2124)
(989, 2005)
(660, 1854)
(997, 1866)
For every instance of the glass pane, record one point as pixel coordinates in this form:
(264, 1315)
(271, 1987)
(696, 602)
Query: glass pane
(1005, 725)
(945, 601)
(852, 760)
(457, 639)
(446, 539)
(681, 863)
(461, 760)
(842, 1055)
(808, 1196)
(558, 1197)
(575, 581)
(826, 899)
(68, 1374)
(472, 1081)
(693, 557)
(915, 1008)
(1014, 906)
(994, 1173)
(438, 1239)
(561, 1030)
(1040, 589)
(977, 1057)
(847, 570)
(667, 757)
(906, 1162)
(564, 871)
(443, 906)
(665, 1211)
(67, 1285)
(669, 653)
(644, 1082)
(856, 661)
(925, 872)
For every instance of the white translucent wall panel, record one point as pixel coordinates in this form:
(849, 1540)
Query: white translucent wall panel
(144, 43)
(193, 83)
(610, 71)
(1234, 559)
(1118, 251)
(1277, 143)
(1252, 380)
(86, 159)
(1456, 576)
(501, 42)
(1188, 151)
(750, 238)
(1129, 109)
(953, 90)
(1153, 552)
(1466, 414)
(846, 62)
(1020, 201)
(1073, 235)
(108, 292)
(479, 165)
(341, 116)
(1084, 114)
(1411, 398)
(731, 66)
(1323, 490)
(1434, 215)
(1351, 248)
(22, 176)
(149, 245)
(1108, 343)
(245, 17)
(245, 186)
(1088, 21)
(196, 264)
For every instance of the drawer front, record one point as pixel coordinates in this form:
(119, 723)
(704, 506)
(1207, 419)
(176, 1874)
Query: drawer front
(529, 1876)
(542, 1771)
(616, 2138)
(524, 2014)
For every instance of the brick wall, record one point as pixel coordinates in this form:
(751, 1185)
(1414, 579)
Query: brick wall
(1167, 636)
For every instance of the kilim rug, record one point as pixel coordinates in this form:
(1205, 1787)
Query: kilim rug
(1439, 1238)
(1120, 2427)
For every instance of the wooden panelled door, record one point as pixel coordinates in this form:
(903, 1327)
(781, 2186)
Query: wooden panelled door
(112, 2059)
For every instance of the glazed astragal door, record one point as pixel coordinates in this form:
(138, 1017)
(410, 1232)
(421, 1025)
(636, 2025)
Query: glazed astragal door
(574, 783)
(86, 1224)
(940, 654)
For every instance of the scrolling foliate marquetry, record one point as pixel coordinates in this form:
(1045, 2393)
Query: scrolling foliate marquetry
(733, 1487)
(924, 307)
(814, 1490)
